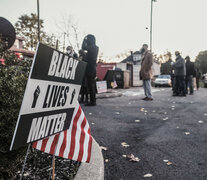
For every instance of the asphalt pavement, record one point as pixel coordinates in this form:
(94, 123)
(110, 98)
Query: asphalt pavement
(164, 139)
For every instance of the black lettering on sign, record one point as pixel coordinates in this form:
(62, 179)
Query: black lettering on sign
(55, 96)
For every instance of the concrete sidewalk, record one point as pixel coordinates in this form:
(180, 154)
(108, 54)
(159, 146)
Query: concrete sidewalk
(95, 169)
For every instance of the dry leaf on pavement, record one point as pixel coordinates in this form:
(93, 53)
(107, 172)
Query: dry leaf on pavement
(124, 144)
(133, 158)
(137, 120)
(148, 175)
(169, 163)
(164, 119)
(142, 109)
(103, 148)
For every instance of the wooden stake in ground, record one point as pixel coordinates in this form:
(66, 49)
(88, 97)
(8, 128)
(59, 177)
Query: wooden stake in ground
(53, 167)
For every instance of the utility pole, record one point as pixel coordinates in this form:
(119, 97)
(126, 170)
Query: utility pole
(151, 24)
(38, 16)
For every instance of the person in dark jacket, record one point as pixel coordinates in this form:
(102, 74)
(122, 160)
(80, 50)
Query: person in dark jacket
(190, 73)
(84, 86)
(198, 76)
(89, 45)
(180, 73)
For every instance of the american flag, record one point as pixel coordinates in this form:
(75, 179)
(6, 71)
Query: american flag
(74, 143)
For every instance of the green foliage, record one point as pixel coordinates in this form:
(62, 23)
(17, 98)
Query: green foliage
(201, 62)
(13, 78)
(27, 27)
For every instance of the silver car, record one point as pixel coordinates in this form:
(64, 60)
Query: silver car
(163, 80)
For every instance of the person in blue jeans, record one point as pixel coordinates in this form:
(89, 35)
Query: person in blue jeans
(146, 72)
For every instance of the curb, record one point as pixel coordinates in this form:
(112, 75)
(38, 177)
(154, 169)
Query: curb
(95, 169)
(108, 95)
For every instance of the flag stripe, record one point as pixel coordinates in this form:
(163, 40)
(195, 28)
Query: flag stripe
(62, 148)
(90, 146)
(54, 143)
(72, 148)
(44, 143)
(78, 136)
(80, 156)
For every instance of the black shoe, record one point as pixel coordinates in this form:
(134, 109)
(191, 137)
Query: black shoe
(174, 94)
(90, 104)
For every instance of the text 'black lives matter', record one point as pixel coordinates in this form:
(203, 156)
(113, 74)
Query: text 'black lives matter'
(50, 96)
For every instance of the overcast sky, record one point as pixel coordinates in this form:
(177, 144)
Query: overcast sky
(120, 25)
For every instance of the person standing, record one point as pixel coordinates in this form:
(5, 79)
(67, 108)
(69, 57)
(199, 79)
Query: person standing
(198, 76)
(70, 51)
(89, 45)
(146, 72)
(190, 73)
(180, 73)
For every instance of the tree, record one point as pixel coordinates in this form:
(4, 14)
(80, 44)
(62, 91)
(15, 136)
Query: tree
(69, 33)
(27, 27)
(201, 62)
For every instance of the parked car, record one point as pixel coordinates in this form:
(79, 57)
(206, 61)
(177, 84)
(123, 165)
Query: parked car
(163, 80)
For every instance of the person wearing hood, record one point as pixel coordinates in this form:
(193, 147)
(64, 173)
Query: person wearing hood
(180, 73)
(146, 72)
(89, 45)
(190, 73)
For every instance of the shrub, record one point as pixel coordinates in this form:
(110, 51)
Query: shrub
(13, 78)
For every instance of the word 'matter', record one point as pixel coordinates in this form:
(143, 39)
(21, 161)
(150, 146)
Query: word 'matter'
(62, 66)
(47, 125)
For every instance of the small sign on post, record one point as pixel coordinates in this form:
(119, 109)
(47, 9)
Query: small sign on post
(50, 97)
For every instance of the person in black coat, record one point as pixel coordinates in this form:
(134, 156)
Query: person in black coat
(190, 73)
(89, 45)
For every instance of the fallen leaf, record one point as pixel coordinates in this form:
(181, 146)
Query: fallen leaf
(187, 133)
(117, 113)
(164, 119)
(142, 109)
(169, 163)
(200, 122)
(148, 175)
(103, 148)
(137, 120)
(124, 155)
(165, 160)
(133, 158)
(124, 144)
